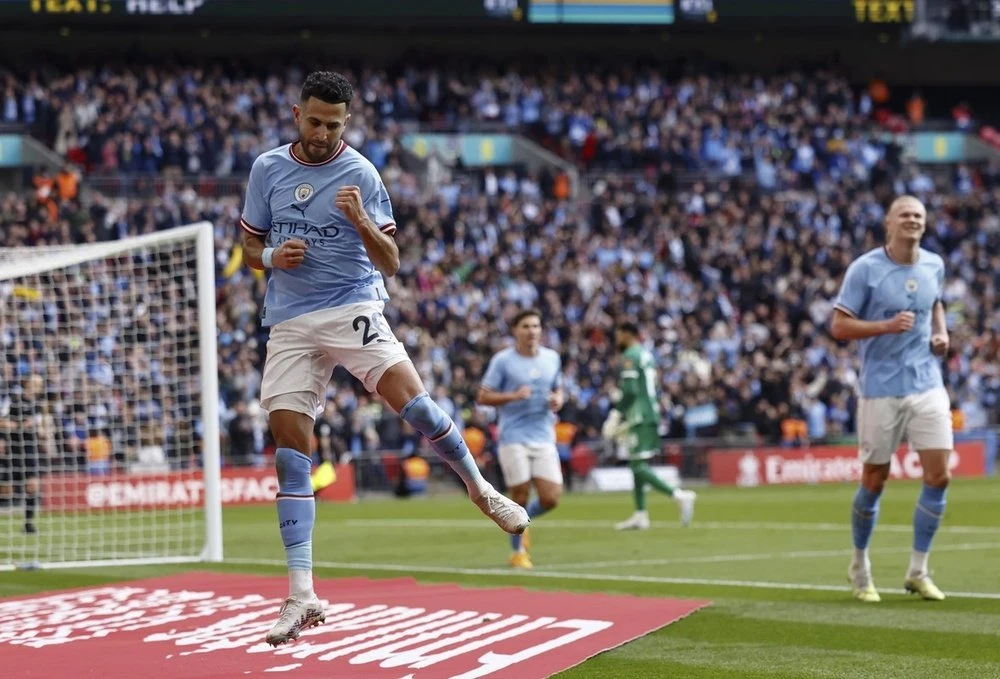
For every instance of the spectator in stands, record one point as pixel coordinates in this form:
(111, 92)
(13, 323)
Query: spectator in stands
(241, 436)
(915, 109)
(67, 183)
(413, 475)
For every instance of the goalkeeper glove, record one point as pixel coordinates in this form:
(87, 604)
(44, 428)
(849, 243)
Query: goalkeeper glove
(613, 427)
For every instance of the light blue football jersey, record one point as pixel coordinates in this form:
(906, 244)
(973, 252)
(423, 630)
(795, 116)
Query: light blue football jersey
(530, 420)
(288, 198)
(875, 288)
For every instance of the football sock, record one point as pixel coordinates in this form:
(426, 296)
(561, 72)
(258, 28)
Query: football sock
(643, 475)
(926, 519)
(534, 509)
(296, 517)
(638, 492)
(424, 415)
(864, 514)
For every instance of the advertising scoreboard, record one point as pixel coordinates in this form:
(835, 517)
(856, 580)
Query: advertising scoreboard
(705, 14)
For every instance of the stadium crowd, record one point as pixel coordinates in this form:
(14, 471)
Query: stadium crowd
(216, 117)
(731, 271)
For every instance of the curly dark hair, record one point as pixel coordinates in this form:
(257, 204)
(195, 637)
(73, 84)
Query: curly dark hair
(328, 86)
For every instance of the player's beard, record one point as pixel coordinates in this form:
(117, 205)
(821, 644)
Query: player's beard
(315, 153)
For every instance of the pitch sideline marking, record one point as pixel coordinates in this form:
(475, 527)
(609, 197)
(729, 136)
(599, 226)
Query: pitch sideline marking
(712, 525)
(815, 554)
(450, 570)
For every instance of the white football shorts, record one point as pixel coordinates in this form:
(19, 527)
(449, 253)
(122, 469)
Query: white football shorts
(522, 462)
(303, 351)
(922, 419)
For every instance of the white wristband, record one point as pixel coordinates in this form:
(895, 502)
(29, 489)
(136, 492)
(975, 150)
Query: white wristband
(265, 258)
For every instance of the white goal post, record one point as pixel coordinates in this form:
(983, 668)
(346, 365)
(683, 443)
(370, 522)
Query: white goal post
(109, 403)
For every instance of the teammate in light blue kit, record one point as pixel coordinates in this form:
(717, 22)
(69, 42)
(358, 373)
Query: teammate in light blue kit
(890, 301)
(318, 217)
(524, 382)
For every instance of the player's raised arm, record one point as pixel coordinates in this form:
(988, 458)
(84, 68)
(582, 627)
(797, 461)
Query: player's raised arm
(256, 223)
(845, 328)
(939, 330)
(491, 390)
(557, 397)
(371, 215)
(940, 341)
(253, 249)
(847, 323)
(256, 218)
(488, 397)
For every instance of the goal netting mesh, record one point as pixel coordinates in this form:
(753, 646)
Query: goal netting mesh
(109, 433)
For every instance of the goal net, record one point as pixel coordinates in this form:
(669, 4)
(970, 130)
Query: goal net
(109, 426)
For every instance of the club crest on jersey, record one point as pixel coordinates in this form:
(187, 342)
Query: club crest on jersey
(303, 192)
(911, 285)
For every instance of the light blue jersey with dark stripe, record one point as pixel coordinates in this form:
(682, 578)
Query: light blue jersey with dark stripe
(530, 420)
(289, 198)
(875, 288)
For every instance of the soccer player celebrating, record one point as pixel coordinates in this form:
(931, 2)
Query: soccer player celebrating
(525, 384)
(636, 419)
(318, 217)
(890, 301)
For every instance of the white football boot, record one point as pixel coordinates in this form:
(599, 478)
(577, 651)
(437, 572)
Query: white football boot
(295, 616)
(638, 521)
(506, 513)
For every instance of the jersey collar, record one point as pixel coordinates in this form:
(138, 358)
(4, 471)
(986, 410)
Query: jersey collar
(336, 154)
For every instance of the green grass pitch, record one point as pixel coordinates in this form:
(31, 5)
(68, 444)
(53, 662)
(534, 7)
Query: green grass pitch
(773, 560)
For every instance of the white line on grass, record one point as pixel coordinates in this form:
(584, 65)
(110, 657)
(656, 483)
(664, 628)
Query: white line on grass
(708, 582)
(711, 525)
(726, 558)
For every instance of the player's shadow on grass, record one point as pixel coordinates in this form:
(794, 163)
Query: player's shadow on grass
(889, 600)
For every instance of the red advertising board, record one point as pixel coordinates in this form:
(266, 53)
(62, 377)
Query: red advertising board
(826, 464)
(83, 492)
(212, 626)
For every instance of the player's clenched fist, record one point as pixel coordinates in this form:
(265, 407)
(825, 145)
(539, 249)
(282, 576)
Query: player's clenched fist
(940, 344)
(289, 254)
(349, 202)
(901, 322)
(523, 392)
(555, 401)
